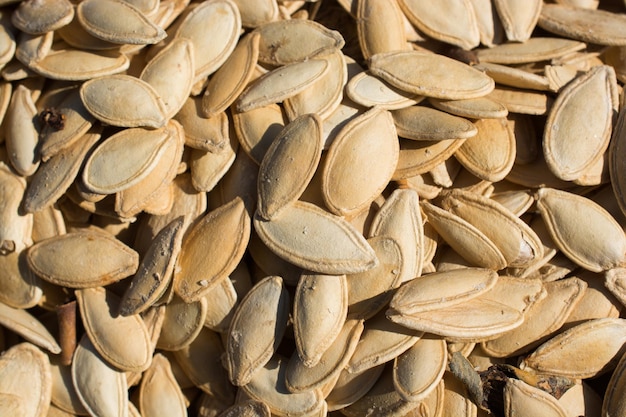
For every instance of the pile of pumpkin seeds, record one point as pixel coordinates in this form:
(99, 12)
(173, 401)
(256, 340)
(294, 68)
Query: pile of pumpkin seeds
(306, 208)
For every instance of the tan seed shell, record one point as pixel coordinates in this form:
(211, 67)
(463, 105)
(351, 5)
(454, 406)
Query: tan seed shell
(25, 373)
(594, 26)
(208, 168)
(124, 159)
(19, 287)
(63, 392)
(614, 404)
(424, 123)
(514, 77)
(458, 28)
(65, 63)
(289, 165)
(155, 271)
(475, 108)
(231, 79)
(101, 388)
(221, 302)
(159, 393)
(256, 329)
(464, 238)
(515, 239)
(302, 378)
(75, 35)
(320, 306)
(122, 100)
(542, 319)
(280, 84)
(534, 49)
(430, 75)
(380, 27)
(370, 91)
(381, 341)
(518, 19)
(201, 362)
(324, 95)
(289, 41)
(118, 22)
(27, 326)
(110, 333)
(301, 235)
(72, 260)
(249, 408)
(15, 226)
(256, 129)
(257, 13)
(54, 177)
(31, 48)
(170, 73)
(442, 289)
(268, 386)
(182, 323)
(583, 351)
(570, 144)
(582, 229)
(522, 101)
(210, 134)
(420, 157)
(39, 17)
(350, 387)
(213, 28)
(367, 143)
(523, 399)
(370, 291)
(430, 355)
(489, 319)
(223, 233)
(76, 123)
(21, 132)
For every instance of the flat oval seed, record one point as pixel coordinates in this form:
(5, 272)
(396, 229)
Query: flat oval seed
(221, 303)
(223, 234)
(213, 28)
(159, 393)
(280, 84)
(201, 133)
(289, 41)
(208, 168)
(250, 408)
(256, 329)
(268, 386)
(534, 49)
(182, 323)
(25, 373)
(594, 26)
(458, 28)
(20, 287)
(24, 324)
(442, 289)
(614, 404)
(583, 351)
(63, 393)
(289, 165)
(523, 399)
(370, 91)
(370, 291)
(230, 80)
(424, 123)
(39, 17)
(101, 389)
(256, 129)
(65, 63)
(301, 235)
(381, 341)
(15, 227)
(514, 77)
(367, 143)
(518, 19)
(320, 306)
(122, 100)
(571, 144)
(582, 229)
(302, 378)
(118, 22)
(170, 73)
(124, 159)
(474, 108)
(420, 157)
(380, 27)
(21, 132)
(155, 271)
(490, 154)
(82, 259)
(257, 13)
(110, 333)
(430, 356)
(430, 75)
